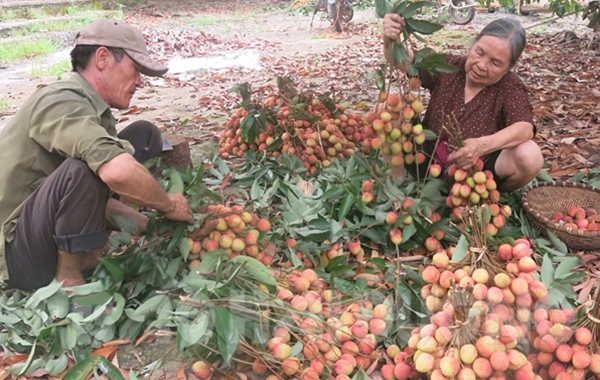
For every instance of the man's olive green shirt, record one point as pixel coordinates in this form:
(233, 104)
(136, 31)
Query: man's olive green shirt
(65, 119)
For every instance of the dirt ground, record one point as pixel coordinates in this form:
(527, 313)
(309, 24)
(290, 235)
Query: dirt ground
(195, 103)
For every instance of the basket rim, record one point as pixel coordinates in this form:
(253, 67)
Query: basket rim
(546, 221)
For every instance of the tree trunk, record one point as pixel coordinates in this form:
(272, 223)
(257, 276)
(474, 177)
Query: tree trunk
(180, 156)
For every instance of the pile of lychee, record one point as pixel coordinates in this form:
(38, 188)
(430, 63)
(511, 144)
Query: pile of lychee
(337, 337)
(562, 351)
(473, 188)
(577, 218)
(237, 232)
(502, 303)
(327, 137)
(390, 127)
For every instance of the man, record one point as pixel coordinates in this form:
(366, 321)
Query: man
(61, 156)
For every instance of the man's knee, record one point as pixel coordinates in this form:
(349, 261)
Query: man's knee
(75, 167)
(76, 173)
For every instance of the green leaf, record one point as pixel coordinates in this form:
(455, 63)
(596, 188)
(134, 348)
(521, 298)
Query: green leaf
(361, 375)
(429, 134)
(333, 193)
(256, 269)
(58, 304)
(562, 247)
(68, 336)
(251, 125)
(93, 299)
(97, 312)
(176, 182)
(421, 54)
(408, 232)
(210, 260)
(113, 267)
(422, 26)
(83, 369)
(346, 205)
(117, 311)
(443, 68)
(460, 251)
(400, 53)
(336, 263)
(120, 238)
(56, 366)
(150, 306)
(573, 278)
(274, 145)
(399, 6)
(188, 335)
(382, 7)
(543, 176)
(42, 294)
(126, 224)
(413, 8)
(184, 248)
(178, 234)
(227, 332)
(29, 359)
(255, 190)
(547, 273)
(376, 234)
(564, 268)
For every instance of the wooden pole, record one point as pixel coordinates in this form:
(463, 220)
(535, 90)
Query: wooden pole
(548, 20)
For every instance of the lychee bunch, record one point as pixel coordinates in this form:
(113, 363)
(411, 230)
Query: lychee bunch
(390, 127)
(458, 344)
(562, 349)
(397, 220)
(237, 232)
(317, 143)
(340, 337)
(482, 342)
(515, 288)
(473, 188)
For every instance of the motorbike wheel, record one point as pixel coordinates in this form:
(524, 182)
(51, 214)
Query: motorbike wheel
(462, 16)
(332, 10)
(347, 13)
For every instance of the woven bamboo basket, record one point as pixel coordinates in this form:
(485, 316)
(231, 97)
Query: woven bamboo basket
(543, 199)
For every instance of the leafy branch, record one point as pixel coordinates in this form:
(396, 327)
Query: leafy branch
(398, 53)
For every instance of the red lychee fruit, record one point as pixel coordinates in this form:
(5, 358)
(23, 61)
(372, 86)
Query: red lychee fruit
(201, 369)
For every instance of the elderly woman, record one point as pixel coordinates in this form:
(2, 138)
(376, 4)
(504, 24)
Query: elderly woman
(488, 100)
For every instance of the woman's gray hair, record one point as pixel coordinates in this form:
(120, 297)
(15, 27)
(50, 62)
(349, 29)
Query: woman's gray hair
(508, 29)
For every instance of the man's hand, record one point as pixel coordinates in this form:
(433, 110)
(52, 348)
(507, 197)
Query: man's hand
(392, 26)
(466, 156)
(180, 209)
(206, 227)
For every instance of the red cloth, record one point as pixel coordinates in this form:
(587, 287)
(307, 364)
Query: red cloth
(493, 108)
(441, 153)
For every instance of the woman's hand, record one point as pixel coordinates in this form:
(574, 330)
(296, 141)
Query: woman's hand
(466, 156)
(392, 26)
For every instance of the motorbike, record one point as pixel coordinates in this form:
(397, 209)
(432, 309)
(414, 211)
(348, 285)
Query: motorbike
(461, 12)
(339, 12)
